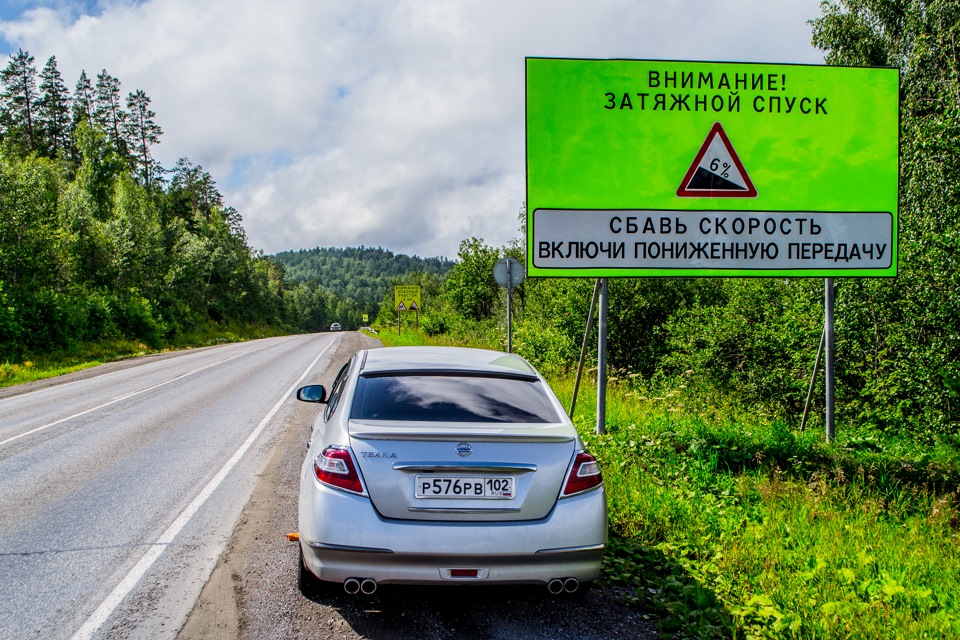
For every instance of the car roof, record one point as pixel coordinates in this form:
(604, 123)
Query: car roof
(445, 359)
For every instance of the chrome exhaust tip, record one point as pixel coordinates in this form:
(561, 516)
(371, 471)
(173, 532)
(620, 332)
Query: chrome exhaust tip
(555, 586)
(351, 586)
(570, 585)
(368, 586)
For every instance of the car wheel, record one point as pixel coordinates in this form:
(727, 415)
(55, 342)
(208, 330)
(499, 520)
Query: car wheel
(308, 583)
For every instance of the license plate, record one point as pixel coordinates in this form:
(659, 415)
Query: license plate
(465, 487)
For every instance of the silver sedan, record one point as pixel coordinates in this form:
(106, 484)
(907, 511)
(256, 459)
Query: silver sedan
(439, 465)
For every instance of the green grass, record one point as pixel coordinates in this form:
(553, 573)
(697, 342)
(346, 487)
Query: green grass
(411, 337)
(405, 338)
(729, 523)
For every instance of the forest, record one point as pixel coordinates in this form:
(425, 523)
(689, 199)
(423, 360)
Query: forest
(100, 244)
(362, 275)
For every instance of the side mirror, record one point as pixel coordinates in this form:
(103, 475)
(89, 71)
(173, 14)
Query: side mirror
(312, 393)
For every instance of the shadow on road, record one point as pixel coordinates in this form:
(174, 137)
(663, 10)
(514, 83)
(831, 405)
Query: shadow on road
(487, 612)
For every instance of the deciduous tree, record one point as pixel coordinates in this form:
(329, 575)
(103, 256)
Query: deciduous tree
(471, 286)
(901, 338)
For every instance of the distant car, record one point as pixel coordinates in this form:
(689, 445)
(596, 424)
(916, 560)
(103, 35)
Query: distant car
(336, 327)
(440, 465)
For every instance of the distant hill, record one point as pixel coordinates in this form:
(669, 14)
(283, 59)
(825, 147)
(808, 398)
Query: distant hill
(363, 274)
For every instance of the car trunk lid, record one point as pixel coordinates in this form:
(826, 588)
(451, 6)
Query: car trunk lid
(462, 472)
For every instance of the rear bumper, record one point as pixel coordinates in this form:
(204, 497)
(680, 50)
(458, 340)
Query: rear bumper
(406, 568)
(342, 536)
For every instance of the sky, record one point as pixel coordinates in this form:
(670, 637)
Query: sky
(384, 123)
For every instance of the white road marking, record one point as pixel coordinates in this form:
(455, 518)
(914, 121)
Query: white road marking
(97, 377)
(106, 608)
(128, 395)
(61, 385)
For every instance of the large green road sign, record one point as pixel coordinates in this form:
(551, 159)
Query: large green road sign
(656, 168)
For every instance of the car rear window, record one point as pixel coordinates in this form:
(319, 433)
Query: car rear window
(451, 398)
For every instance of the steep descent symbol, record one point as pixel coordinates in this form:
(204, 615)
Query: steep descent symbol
(413, 306)
(716, 172)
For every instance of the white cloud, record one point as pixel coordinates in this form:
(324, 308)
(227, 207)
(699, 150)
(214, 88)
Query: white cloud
(392, 123)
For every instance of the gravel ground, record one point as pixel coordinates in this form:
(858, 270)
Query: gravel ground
(252, 592)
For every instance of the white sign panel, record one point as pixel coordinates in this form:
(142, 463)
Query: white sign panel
(738, 241)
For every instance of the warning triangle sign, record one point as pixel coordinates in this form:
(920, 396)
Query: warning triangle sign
(401, 307)
(717, 172)
(414, 307)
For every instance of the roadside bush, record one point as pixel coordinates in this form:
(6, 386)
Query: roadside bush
(94, 313)
(758, 341)
(135, 319)
(545, 346)
(9, 327)
(47, 320)
(437, 322)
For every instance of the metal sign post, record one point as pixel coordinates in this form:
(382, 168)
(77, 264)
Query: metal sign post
(509, 316)
(828, 301)
(509, 273)
(602, 359)
(583, 347)
(813, 381)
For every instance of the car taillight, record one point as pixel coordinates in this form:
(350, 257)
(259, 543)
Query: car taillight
(585, 474)
(334, 467)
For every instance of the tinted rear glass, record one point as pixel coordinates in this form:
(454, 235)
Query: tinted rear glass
(451, 398)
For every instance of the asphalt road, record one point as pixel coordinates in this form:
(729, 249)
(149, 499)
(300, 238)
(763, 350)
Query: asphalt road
(120, 487)
(150, 498)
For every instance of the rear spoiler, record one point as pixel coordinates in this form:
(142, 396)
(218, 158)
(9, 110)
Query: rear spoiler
(385, 430)
(463, 373)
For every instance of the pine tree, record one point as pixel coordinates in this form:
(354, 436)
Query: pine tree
(18, 101)
(53, 110)
(107, 111)
(141, 132)
(193, 191)
(83, 99)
